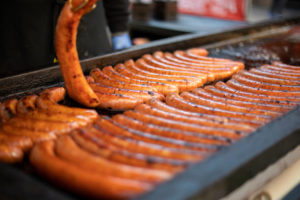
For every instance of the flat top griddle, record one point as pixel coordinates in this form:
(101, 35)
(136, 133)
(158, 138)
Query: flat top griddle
(217, 175)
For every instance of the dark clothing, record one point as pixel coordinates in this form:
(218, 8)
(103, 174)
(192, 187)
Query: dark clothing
(28, 28)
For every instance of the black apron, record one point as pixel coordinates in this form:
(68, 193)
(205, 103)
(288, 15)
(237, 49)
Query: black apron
(27, 34)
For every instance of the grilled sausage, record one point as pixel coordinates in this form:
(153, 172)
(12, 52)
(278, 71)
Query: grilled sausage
(176, 101)
(266, 82)
(161, 87)
(182, 85)
(8, 109)
(145, 108)
(222, 119)
(35, 136)
(252, 94)
(102, 78)
(142, 94)
(272, 74)
(117, 125)
(10, 154)
(67, 149)
(120, 155)
(80, 180)
(184, 126)
(211, 92)
(191, 97)
(21, 142)
(65, 45)
(140, 63)
(27, 103)
(223, 91)
(248, 87)
(197, 52)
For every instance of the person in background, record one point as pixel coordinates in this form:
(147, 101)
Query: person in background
(28, 29)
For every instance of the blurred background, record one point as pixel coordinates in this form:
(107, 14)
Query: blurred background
(157, 19)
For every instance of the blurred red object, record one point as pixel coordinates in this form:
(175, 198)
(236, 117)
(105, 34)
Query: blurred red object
(224, 9)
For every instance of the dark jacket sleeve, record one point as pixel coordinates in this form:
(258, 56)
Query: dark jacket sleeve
(117, 14)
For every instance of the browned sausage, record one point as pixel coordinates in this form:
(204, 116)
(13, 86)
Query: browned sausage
(35, 136)
(65, 45)
(27, 103)
(184, 126)
(102, 78)
(80, 180)
(145, 108)
(115, 126)
(272, 74)
(292, 85)
(248, 87)
(191, 97)
(176, 101)
(67, 149)
(10, 154)
(140, 63)
(21, 142)
(120, 155)
(183, 85)
(222, 119)
(197, 51)
(161, 87)
(214, 93)
(142, 94)
(8, 109)
(289, 101)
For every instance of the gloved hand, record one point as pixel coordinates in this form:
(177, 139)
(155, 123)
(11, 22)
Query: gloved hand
(121, 41)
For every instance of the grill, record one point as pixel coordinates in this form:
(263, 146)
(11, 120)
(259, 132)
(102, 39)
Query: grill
(219, 174)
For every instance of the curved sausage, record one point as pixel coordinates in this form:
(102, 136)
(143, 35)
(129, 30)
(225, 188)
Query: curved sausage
(117, 102)
(290, 101)
(124, 156)
(67, 149)
(183, 85)
(10, 154)
(280, 70)
(114, 126)
(191, 97)
(142, 94)
(161, 87)
(184, 126)
(272, 74)
(212, 71)
(80, 180)
(222, 119)
(178, 102)
(35, 136)
(248, 87)
(118, 142)
(65, 45)
(27, 103)
(42, 125)
(147, 109)
(140, 63)
(8, 109)
(155, 61)
(285, 83)
(214, 93)
(21, 142)
(102, 78)
(197, 51)
(286, 66)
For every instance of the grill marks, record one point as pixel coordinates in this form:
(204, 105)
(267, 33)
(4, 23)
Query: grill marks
(160, 73)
